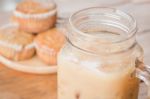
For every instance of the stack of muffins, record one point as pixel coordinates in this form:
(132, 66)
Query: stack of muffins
(32, 30)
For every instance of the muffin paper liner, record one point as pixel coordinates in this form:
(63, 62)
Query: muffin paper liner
(45, 49)
(15, 46)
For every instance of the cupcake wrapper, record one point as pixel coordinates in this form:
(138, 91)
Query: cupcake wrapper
(46, 50)
(15, 55)
(35, 25)
(39, 16)
(16, 46)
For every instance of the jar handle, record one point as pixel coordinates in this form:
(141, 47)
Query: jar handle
(143, 73)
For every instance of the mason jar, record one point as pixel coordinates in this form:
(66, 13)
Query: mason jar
(102, 59)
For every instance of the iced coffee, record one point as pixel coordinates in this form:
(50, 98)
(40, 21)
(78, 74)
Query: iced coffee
(81, 78)
(99, 60)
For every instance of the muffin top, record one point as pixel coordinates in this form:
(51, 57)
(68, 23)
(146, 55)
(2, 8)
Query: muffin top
(15, 36)
(33, 7)
(53, 39)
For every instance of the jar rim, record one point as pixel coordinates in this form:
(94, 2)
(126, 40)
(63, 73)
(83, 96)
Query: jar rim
(132, 31)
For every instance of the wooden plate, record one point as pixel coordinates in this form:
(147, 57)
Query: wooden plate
(33, 65)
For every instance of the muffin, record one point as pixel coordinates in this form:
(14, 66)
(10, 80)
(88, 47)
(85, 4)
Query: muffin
(48, 44)
(35, 16)
(16, 44)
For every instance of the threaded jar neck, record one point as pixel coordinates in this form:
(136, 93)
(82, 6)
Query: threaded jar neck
(102, 30)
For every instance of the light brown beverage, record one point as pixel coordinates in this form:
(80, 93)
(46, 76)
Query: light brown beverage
(86, 80)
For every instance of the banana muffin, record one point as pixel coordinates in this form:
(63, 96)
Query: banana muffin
(16, 44)
(48, 44)
(35, 16)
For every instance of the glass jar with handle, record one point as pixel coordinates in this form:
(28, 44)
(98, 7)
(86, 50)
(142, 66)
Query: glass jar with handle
(102, 59)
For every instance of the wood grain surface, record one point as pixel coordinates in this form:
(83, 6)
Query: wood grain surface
(17, 85)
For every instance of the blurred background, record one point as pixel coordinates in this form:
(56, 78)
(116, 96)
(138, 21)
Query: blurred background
(138, 8)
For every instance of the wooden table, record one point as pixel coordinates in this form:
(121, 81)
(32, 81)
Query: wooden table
(17, 85)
